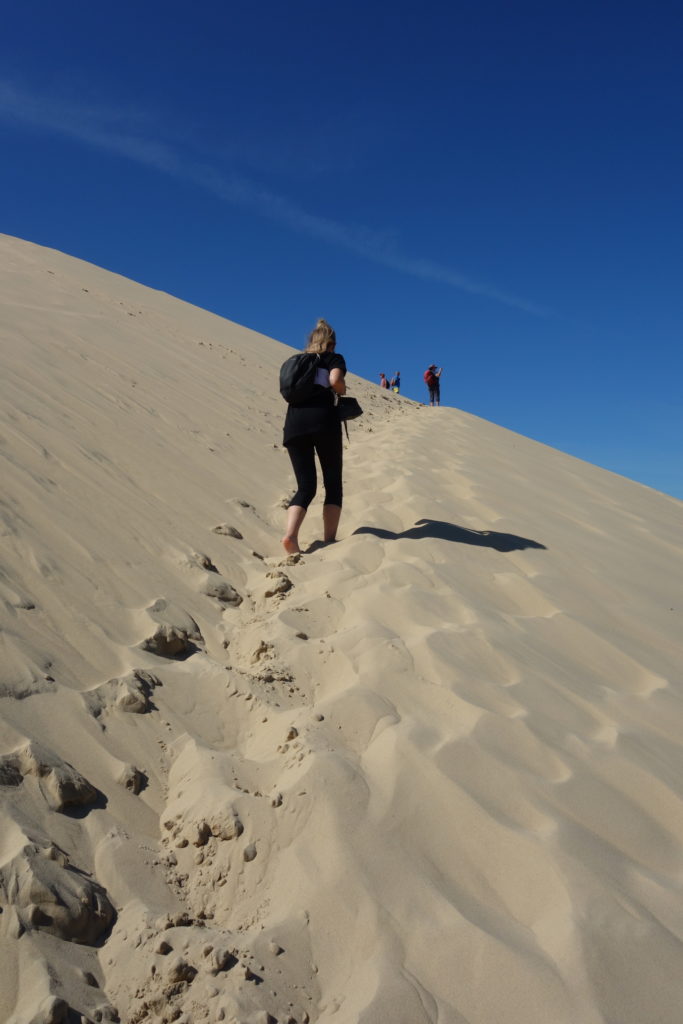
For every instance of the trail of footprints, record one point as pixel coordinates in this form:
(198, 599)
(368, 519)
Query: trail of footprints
(41, 890)
(206, 846)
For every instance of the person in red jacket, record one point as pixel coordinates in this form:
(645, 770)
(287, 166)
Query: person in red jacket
(432, 378)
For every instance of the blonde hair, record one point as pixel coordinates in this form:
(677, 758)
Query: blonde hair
(321, 338)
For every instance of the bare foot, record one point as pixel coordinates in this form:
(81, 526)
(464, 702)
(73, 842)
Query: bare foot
(290, 545)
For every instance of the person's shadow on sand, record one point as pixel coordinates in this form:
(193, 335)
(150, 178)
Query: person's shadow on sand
(438, 530)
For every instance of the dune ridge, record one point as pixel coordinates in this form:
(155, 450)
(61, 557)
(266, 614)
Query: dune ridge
(431, 773)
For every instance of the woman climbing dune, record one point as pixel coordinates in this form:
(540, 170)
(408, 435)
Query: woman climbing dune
(313, 427)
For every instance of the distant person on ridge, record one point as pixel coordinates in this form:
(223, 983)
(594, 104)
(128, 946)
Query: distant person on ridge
(313, 427)
(383, 382)
(395, 382)
(432, 378)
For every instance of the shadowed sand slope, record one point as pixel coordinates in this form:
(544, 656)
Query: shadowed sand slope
(432, 773)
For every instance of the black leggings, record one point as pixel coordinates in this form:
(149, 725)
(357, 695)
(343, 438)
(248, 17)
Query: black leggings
(302, 451)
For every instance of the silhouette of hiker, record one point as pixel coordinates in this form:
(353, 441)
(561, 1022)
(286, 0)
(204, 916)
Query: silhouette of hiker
(432, 378)
(437, 529)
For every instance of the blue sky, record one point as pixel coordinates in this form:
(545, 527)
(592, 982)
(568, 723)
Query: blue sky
(492, 186)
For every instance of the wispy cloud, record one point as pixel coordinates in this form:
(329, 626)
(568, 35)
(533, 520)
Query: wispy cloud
(127, 133)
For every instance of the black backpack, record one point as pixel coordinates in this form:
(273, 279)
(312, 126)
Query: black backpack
(297, 377)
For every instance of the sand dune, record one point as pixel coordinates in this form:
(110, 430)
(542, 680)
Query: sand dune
(433, 773)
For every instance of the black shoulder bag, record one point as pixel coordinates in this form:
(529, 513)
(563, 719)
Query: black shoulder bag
(348, 409)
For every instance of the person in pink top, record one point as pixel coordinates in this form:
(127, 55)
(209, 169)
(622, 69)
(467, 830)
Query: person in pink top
(383, 382)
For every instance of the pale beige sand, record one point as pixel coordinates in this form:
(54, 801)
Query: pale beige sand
(439, 778)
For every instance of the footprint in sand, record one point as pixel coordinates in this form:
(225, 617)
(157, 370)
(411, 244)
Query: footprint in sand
(279, 584)
(224, 530)
(14, 599)
(318, 618)
(131, 693)
(199, 560)
(221, 591)
(176, 635)
(132, 779)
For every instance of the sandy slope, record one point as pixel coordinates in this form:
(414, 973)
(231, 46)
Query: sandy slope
(431, 773)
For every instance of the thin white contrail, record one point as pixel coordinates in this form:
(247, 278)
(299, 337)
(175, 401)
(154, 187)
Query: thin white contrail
(120, 132)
